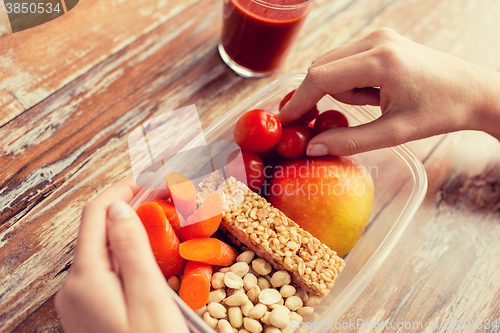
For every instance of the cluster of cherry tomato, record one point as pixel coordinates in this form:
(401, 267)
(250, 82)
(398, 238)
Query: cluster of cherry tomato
(263, 139)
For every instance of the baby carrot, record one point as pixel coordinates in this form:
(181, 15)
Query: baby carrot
(206, 220)
(164, 242)
(183, 193)
(176, 220)
(195, 285)
(208, 250)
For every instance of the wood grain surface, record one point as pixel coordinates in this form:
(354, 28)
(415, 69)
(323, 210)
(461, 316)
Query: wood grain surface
(73, 89)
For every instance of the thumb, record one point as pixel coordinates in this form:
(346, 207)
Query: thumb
(129, 244)
(381, 133)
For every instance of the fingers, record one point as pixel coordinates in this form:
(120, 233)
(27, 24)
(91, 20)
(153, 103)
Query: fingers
(387, 131)
(358, 71)
(344, 51)
(91, 248)
(129, 244)
(360, 96)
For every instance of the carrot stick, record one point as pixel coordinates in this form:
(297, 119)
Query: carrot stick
(176, 220)
(164, 242)
(208, 250)
(183, 193)
(195, 285)
(206, 220)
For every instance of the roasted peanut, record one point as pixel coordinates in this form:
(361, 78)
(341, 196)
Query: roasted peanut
(305, 311)
(265, 318)
(293, 303)
(261, 266)
(236, 300)
(211, 321)
(287, 290)
(224, 326)
(269, 296)
(263, 283)
(246, 257)
(232, 280)
(258, 311)
(201, 311)
(218, 280)
(313, 301)
(252, 325)
(174, 283)
(246, 308)
(280, 278)
(240, 269)
(249, 280)
(235, 316)
(216, 296)
(279, 318)
(217, 310)
(295, 316)
(253, 294)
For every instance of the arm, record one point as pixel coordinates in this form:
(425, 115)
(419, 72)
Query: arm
(422, 92)
(114, 284)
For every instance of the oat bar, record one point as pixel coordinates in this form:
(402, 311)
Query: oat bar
(274, 237)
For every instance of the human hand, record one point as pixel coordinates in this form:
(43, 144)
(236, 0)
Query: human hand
(115, 284)
(422, 92)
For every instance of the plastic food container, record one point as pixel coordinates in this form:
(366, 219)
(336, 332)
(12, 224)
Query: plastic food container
(400, 186)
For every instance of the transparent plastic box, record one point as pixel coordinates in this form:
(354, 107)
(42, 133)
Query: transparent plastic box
(400, 187)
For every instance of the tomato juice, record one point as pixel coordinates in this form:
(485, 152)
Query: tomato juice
(257, 34)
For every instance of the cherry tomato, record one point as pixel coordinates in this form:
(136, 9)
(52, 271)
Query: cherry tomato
(269, 156)
(247, 167)
(306, 117)
(257, 130)
(286, 99)
(293, 142)
(328, 120)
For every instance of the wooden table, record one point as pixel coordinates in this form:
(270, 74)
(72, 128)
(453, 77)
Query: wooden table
(72, 89)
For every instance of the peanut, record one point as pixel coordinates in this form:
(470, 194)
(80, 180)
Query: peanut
(232, 280)
(218, 280)
(279, 318)
(252, 325)
(249, 280)
(269, 296)
(287, 290)
(253, 294)
(240, 269)
(280, 278)
(313, 301)
(235, 316)
(296, 316)
(263, 283)
(216, 295)
(236, 300)
(261, 266)
(305, 311)
(293, 303)
(258, 311)
(224, 326)
(201, 311)
(211, 321)
(246, 308)
(246, 257)
(217, 310)
(174, 283)
(265, 318)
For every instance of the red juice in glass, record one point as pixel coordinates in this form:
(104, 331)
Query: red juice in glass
(257, 34)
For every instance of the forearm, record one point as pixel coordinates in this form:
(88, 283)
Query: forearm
(487, 115)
